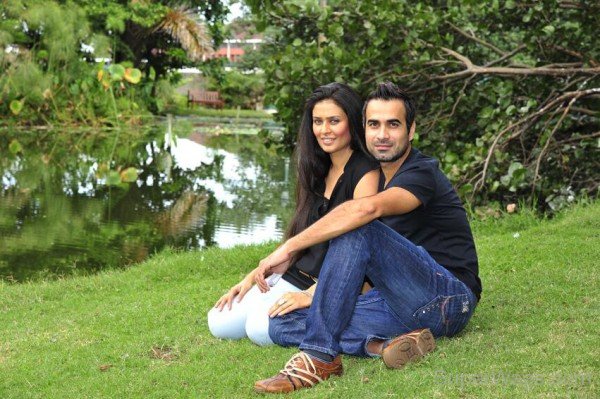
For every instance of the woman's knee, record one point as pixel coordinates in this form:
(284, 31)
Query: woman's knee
(257, 329)
(226, 324)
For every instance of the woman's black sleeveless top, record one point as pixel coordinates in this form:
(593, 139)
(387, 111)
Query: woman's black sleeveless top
(308, 266)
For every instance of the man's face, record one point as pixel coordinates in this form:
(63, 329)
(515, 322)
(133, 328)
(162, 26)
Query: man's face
(388, 137)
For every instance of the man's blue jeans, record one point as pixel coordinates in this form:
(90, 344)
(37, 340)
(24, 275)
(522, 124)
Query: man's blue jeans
(411, 291)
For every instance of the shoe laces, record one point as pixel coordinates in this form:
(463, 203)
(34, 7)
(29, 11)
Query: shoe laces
(295, 370)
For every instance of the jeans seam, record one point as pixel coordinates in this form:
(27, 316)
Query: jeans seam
(368, 301)
(318, 349)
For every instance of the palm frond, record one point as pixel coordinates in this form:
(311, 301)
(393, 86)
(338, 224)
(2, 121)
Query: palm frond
(181, 25)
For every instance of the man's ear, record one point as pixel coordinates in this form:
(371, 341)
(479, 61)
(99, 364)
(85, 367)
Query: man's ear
(411, 133)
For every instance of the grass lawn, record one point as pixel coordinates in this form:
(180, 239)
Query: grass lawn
(141, 333)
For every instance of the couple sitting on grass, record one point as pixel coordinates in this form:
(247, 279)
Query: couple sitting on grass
(379, 256)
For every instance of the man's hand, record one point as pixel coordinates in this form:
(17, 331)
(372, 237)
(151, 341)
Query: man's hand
(277, 262)
(289, 302)
(237, 291)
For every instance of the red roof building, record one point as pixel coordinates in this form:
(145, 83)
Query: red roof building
(233, 49)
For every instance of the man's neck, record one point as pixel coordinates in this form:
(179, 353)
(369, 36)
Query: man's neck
(389, 169)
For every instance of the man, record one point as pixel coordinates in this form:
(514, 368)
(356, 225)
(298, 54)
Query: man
(420, 257)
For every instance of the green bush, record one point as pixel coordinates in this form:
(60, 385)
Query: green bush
(507, 91)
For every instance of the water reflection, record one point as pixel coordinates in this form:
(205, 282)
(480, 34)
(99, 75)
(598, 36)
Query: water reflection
(58, 218)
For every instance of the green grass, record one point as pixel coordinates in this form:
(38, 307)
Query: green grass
(534, 334)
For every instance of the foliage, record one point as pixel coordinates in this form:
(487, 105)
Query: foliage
(240, 88)
(244, 85)
(39, 60)
(158, 36)
(48, 51)
(241, 83)
(507, 91)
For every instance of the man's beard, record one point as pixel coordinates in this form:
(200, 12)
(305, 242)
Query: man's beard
(393, 157)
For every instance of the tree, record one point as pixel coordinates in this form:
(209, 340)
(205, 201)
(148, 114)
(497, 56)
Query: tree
(508, 91)
(48, 51)
(159, 35)
(40, 52)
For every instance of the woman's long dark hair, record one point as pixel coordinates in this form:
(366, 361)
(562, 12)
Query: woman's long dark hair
(314, 163)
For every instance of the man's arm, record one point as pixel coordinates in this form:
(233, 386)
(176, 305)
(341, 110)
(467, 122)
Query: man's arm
(342, 219)
(353, 214)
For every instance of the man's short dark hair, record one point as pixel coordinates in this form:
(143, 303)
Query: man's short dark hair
(389, 91)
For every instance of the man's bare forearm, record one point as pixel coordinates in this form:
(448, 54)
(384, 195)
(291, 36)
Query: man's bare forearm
(342, 219)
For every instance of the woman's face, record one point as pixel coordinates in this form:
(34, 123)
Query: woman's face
(330, 127)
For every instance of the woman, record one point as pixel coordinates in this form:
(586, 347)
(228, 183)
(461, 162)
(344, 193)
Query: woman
(332, 168)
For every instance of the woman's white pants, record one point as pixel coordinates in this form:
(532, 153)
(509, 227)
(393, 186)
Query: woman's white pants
(250, 317)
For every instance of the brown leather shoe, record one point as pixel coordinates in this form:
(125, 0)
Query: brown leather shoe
(301, 371)
(408, 348)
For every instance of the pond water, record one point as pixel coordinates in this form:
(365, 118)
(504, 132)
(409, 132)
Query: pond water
(61, 214)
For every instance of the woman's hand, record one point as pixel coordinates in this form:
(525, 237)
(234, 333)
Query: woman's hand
(237, 291)
(277, 262)
(289, 302)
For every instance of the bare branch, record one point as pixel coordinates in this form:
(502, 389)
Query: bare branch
(539, 137)
(473, 69)
(557, 101)
(570, 4)
(375, 78)
(585, 111)
(476, 39)
(548, 140)
(565, 65)
(506, 56)
(581, 82)
(575, 54)
(486, 163)
(579, 138)
(461, 94)
(460, 57)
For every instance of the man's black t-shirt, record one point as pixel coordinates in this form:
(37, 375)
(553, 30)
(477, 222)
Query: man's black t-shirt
(308, 266)
(440, 223)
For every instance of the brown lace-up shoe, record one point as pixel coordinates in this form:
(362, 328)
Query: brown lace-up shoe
(408, 348)
(301, 371)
